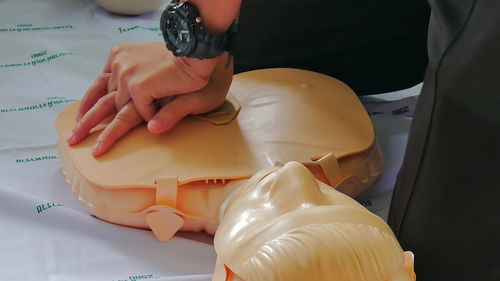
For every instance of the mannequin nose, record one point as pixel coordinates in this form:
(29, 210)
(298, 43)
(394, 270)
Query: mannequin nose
(295, 186)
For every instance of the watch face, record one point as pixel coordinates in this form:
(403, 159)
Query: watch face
(178, 30)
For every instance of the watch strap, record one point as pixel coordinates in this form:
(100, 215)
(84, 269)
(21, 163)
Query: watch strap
(213, 45)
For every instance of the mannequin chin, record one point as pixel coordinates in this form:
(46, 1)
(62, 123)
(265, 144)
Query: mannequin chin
(285, 225)
(130, 7)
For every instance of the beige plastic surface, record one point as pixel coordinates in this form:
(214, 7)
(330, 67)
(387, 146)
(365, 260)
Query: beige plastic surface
(225, 114)
(286, 115)
(130, 7)
(272, 117)
(283, 224)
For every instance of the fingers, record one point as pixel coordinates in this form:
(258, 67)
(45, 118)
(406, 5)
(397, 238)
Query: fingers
(144, 103)
(104, 83)
(118, 78)
(122, 77)
(97, 90)
(170, 114)
(126, 119)
(146, 72)
(122, 98)
(172, 77)
(120, 73)
(104, 107)
(112, 82)
(204, 100)
(115, 50)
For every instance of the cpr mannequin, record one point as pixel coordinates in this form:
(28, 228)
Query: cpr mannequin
(283, 224)
(178, 180)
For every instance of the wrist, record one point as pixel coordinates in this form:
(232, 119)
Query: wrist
(202, 68)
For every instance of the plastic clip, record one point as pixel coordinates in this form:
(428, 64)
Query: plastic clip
(164, 221)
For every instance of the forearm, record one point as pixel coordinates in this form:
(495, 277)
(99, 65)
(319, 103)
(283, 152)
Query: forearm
(217, 15)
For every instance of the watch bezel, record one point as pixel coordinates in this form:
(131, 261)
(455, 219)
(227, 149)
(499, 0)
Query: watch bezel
(180, 14)
(185, 17)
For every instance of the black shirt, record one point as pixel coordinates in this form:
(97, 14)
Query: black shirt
(373, 46)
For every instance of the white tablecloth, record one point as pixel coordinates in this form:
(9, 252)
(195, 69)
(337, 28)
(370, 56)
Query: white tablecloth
(50, 52)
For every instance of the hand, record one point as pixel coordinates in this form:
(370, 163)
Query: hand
(144, 73)
(172, 108)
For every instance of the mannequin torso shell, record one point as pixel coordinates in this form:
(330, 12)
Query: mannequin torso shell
(286, 115)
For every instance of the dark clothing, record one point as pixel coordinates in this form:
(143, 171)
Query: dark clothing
(446, 204)
(373, 46)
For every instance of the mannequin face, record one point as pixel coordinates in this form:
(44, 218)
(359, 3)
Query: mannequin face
(284, 202)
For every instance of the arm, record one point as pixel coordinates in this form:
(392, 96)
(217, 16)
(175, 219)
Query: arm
(217, 14)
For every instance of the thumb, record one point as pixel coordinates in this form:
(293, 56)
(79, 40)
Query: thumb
(170, 114)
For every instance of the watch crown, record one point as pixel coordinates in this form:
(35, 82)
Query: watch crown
(198, 19)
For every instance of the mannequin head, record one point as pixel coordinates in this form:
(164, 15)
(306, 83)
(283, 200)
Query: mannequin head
(283, 224)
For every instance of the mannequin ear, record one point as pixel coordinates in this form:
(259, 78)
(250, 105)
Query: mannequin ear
(409, 264)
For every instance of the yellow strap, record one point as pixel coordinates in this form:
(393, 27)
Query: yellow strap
(331, 168)
(166, 191)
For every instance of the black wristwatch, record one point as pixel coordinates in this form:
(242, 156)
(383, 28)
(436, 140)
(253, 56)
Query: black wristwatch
(185, 36)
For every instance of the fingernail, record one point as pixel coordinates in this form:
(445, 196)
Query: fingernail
(155, 124)
(71, 138)
(96, 149)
